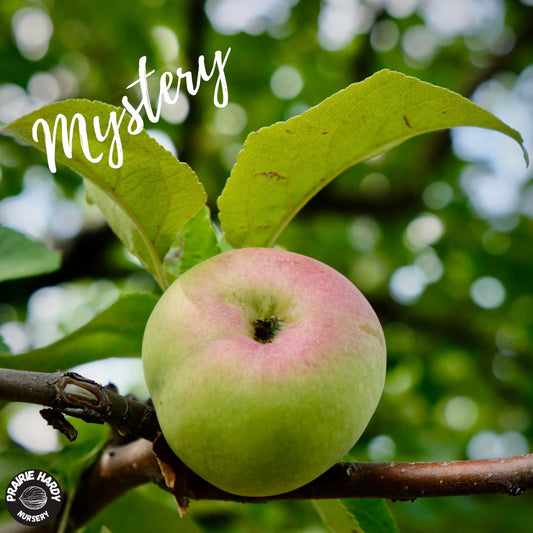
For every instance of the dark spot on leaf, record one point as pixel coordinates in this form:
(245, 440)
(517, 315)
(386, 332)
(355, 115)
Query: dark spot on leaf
(325, 132)
(288, 131)
(406, 120)
(271, 175)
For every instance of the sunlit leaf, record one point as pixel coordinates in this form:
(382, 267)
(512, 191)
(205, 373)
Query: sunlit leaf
(115, 332)
(22, 257)
(284, 165)
(147, 200)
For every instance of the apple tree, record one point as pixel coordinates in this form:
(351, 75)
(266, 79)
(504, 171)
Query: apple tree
(156, 206)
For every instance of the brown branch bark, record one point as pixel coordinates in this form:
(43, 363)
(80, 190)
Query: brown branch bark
(124, 467)
(120, 468)
(71, 394)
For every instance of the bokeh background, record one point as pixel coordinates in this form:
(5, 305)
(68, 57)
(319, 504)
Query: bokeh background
(437, 233)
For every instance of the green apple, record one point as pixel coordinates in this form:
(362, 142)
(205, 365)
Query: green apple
(264, 367)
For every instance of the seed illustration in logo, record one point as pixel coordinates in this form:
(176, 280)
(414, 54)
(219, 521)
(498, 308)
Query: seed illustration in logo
(33, 498)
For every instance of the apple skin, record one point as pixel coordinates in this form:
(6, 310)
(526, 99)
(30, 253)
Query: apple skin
(258, 418)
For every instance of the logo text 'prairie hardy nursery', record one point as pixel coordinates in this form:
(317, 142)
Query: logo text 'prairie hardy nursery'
(33, 497)
(136, 123)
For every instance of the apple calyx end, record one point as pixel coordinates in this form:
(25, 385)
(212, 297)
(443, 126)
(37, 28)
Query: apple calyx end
(265, 329)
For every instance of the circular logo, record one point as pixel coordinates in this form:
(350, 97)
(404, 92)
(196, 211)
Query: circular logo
(33, 497)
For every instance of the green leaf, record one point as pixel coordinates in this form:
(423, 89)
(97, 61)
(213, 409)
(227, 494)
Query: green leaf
(115, 332)
(373, 515)
(336, 517)
(196, 242)
(144, 510)
(356, 516)
(283, 166)
(22, 257)
(66, 465)
(147, 200)
(75, 457)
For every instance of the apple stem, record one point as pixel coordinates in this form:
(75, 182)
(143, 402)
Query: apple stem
(265, 329)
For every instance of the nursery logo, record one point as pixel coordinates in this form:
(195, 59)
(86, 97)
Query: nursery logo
(33, 497)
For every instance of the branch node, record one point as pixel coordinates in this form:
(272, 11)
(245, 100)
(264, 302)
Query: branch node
(351, 470)
(77, 391)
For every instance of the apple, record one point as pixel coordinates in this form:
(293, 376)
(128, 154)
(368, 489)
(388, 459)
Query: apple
(264, 367)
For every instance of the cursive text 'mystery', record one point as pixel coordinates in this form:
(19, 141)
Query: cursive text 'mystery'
(170, 86)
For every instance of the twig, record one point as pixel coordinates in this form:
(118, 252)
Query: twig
(71, 394)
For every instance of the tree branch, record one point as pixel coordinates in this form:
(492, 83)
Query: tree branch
(120, 468)
(397, 481)
(71, 394)
(124, 467)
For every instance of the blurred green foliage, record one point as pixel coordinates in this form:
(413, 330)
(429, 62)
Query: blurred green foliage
(437, 233)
